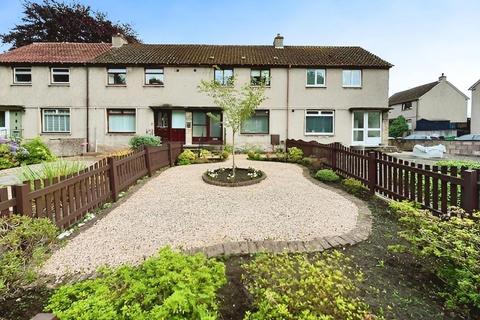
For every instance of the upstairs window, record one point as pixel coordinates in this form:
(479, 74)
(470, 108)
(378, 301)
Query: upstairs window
(154, 77)
(352, 78)
(117, 76)
(319, 122)
(22, 75)
(60, 75)
(315, 77)
(407, 106)
(121, 120)
(259, 77)
(224, 76)
(56, 120)
(257, 124)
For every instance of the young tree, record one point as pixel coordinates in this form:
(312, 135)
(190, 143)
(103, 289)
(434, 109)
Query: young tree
(55, 21)
(398, 127)
(237, 103)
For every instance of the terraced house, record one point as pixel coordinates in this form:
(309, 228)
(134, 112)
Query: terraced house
(98, 95)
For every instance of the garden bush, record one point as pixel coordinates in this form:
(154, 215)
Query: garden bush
(356, 188)
(7, 159)
(448, 247)
(327, 175)
(289, 287)
(225, 154)
(459, 164)
(138, 142)
(307, 162)
(204, 154)
(24, 245)
(36, 151)
(255, 155)
(294, 154)
(186, 157)
(169, 285)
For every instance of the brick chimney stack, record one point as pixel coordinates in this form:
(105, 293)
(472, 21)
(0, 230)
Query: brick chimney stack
(278, 41)
(118, 40)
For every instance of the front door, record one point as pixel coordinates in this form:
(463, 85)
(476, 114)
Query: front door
(367, 128)
(170, 125)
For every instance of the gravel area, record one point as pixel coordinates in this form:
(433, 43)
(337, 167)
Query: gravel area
(178, 209)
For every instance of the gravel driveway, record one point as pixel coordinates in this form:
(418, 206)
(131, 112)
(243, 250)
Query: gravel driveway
(178, 209)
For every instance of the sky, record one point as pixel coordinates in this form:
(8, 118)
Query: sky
(422, 38)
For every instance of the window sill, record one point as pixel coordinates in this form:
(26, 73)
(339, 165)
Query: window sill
(59, 85)
(352, 87)
(319, 134)
(254, 134)
(121, 133)
(153, 85)
(56, 134)
(116, 85)
(257, 86)
(311, 86)
(21, 85)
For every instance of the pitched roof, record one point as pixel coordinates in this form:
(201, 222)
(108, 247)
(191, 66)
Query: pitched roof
(240, 55)
(411, 94)
(474, 85)
(55, 52)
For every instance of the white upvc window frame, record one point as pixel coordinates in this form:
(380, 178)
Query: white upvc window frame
(44, 129)
(351, 77)
(5, 130)
(117, 70)
(55, 71)
(316, 85)
(321, 113)
(16, 71)
(157, 71)
(366, 129)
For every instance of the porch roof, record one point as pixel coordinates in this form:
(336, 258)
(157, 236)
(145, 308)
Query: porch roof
(189, 108)
(372, 109)
(12, 108)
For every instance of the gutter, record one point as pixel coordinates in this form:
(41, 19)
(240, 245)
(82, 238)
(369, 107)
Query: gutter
(88, 107)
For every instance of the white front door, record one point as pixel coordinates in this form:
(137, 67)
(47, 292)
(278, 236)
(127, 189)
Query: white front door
(367, 128)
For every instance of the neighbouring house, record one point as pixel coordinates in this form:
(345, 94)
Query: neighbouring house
(433, 108)
(475, 115)
(97, 96)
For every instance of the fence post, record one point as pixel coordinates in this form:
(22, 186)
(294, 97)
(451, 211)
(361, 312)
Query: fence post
(113, 178)
(23, 206)
(469, 190)
(372, 171)
(333, 161)
(170, 156)
(148, 161)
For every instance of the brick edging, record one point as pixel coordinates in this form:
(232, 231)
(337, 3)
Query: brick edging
(359, 233)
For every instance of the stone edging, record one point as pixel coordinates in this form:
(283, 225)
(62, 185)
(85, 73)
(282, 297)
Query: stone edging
(237, 184)
(358, 234)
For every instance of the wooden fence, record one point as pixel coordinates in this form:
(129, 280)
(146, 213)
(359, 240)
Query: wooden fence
(435, 188)
(66, 200)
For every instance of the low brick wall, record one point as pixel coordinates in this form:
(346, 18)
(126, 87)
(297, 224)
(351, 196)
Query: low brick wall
(463, 148)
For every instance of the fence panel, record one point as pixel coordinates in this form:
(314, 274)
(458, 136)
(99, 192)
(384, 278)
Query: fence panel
(159, 157)
(7, 205)
(434, 188)
(129, 169)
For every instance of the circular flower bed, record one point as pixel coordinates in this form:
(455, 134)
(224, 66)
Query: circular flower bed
(243, 177)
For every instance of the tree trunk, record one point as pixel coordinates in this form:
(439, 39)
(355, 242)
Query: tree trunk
(233, 154)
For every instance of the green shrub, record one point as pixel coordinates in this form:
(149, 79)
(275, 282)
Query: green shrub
(405, 206)
(204, 154)
(307, 162)
(138, 142)
(24, 245)
(225, 154)
(459, 164)
(186, 157)
(228, 147)
(169, 285)
(356, 188)
(398, 127)
(327, 175)
(50, 170)
(291, 287)
(36, 152)
(254, 155)
(448, 247)
(281, 155)
(294, 154)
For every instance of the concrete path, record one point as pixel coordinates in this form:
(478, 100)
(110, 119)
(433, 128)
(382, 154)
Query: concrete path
(285, 211)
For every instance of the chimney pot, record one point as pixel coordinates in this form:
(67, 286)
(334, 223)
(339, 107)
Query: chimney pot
(278, 41)
(443, 77)
(118, 40)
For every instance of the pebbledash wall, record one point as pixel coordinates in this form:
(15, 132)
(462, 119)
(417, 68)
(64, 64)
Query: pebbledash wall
(462, 148)
(181, 89)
